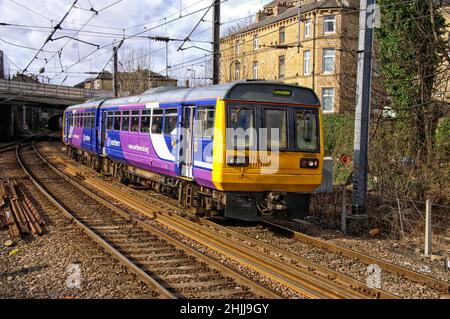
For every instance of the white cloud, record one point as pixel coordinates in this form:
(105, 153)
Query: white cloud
(138, 14)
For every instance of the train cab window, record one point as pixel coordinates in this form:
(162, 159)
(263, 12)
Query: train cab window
(204, 121)
(241, 131)
(109, 121)
(275, 135)
(117, 117)
(170, 121)
(70, 120)
(134, 121)
(145, 121)
(126, 121)
(157, 121)
(306, 130)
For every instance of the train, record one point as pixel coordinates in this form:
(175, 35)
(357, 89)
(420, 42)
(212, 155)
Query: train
(245, 150)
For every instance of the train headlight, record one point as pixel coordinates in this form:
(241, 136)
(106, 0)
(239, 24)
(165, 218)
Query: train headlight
(309, 163)
(238, 161)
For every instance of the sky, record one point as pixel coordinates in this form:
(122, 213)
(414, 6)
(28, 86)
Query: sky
(31, 22)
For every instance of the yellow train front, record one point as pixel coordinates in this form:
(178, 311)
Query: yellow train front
(267, 151)
(244, 150)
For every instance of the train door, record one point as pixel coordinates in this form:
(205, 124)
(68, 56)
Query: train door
(203, 136)
(65, 127)
(186, 142)
(103, 132)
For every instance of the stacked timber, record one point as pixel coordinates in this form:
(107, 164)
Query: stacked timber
(22, 217)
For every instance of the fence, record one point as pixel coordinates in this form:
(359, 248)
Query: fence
(397, 218)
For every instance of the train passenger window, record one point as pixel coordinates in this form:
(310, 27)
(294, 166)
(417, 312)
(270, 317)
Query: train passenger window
(145, 121)
(275, 134)
(87, 120)
(117, 121)
(109, 122)
(241, 131)
(157, 121)
(306, 130)
(125, 120)
(134, 121)
(92, 120)
(170, 121)
(204, 121)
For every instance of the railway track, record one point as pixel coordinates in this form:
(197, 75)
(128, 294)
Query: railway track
(171, 268)
(439, 285)
(302, 276)
(8, 147)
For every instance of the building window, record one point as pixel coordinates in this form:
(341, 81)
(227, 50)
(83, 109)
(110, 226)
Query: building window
(306, 62)
(282, 35)
(328, 60)
(329, 24)
(237, 71)
(237, 47)
(255, 42)
(307, 28)
(281, 67)
(328, 99)
(255, 70)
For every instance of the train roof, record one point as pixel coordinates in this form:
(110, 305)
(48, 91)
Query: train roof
(89, 104)
(263, 91)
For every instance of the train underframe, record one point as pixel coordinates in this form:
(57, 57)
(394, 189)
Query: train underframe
(202, 201)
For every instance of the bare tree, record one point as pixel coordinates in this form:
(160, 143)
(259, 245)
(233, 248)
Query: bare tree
(135, 75)
(238, 26)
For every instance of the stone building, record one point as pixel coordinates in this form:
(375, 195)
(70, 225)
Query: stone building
(324, 58)
(139, 81)
(129, 83)
(103, 82)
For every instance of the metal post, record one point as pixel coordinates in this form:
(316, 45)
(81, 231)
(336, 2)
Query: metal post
(167, 58)
(362, 114)
(115, 83)
(428, 229)
(216, 42)
(115, 62)
(2, 66)
(343, 212)
(12, 129)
